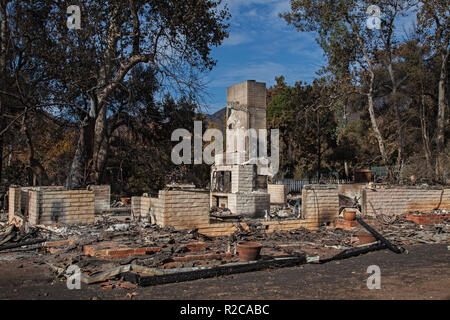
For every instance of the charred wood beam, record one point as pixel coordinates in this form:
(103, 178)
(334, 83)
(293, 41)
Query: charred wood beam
(212, 272)
(379, 237)
(25, 243)
(353, 252)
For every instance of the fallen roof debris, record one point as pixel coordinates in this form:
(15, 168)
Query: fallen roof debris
(110, 250)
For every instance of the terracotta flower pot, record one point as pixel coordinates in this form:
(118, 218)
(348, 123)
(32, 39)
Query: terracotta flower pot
(349, 215)
(249, 251)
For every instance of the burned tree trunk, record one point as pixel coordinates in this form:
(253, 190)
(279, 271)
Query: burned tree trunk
(425, 135)
(371, 105)
(376, 130)
(86, 164)
(1, 159)
(442, 105)
(400, 138)
(77, 176)
(3, 33)
(38, 176)
(101, 146)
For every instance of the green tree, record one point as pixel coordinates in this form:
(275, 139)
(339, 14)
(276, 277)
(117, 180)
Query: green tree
(433, 21)
(89, 68)
(304, 114)
(353, 51)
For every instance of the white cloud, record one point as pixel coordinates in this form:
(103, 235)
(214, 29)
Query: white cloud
(236, 39)
(281, 7)
(240, 9)
(252, 13)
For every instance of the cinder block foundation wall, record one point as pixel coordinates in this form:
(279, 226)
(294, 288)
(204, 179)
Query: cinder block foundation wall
(252, 204)
(140, 206)
(278, 193)
(177, 208)
(18, 198)
(320, 203)
(48, 207)
(352, 190)
(102, 195)
(242, 178)
(24, 193)
(396, 200)
(14, 202)
(182, 209)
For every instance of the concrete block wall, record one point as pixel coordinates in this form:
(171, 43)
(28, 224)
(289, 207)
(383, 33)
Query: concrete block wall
(18, 198)
(183, 209)
(14, 202)
(102, 196)
(252, 204)
(25, 190)
(320, 203)
(278, 193)
(398, 200)
(248, 93)
(140, 206)
(352, 190)
(157, 209)
(242, 178)
(256, 92)
(232, 202)
(176, 208)
(33, 207)
(48, 207)
(257, 118)
(234, 178)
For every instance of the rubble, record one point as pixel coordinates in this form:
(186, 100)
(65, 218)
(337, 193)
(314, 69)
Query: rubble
(145, 254)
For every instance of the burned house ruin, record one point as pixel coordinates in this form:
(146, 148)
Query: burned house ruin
(238, 179)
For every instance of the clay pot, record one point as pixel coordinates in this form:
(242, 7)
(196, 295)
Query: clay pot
(249, 251)
(349, 215)
(365, 238)
(126, 201)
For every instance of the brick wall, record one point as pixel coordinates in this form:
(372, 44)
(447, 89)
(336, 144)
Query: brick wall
(20, 202)
(177, 208)
(48, 207)
(25, 190)
(14, 201)
(188, 210)
(320, 203)
(183, 209)
(102, 195)
(252, 204)
(397, 200)
(33, 207)
(351, 190)
(18, 198)
(140, 206)
(248, 93)
(278, 193)
(242, 178)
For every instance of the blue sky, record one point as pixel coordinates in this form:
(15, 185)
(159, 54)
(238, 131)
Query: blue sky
(261, 46)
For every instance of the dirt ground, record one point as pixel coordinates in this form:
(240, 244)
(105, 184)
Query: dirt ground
(423, 273)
